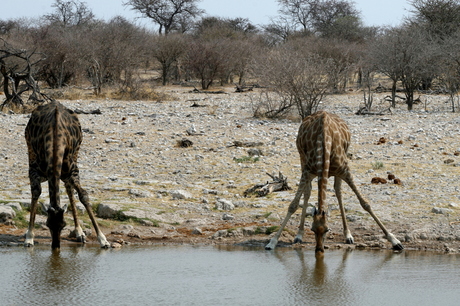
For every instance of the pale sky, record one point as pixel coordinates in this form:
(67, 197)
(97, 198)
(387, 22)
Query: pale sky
(373, 12)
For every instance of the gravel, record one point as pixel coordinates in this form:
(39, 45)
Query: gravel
(131, 159)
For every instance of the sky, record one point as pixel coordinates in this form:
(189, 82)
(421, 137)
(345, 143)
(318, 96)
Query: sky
(373, 12)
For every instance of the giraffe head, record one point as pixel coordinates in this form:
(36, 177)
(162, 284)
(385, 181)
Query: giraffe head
(320, 228)
(55, 223)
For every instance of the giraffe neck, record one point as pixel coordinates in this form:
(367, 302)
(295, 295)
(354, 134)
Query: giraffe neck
(323, 147)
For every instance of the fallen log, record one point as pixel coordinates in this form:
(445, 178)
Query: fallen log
(248, 144)
(196, 90)
(92, 112)
(243, 88)
(364, 111)
(279, 183)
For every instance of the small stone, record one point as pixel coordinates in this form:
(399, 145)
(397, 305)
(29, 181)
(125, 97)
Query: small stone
(441, 211)
(197, 231)
(223, 204)
(15, 205)
(140, 193)
(180, 195)
(191, 130)
(6, 213)
(220, 234)
(115, 245)
(107, 211)
(254, 152)
(352, 218)
(146, 222)
(227, 217)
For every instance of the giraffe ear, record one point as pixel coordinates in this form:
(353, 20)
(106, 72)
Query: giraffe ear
(45, 208)
(315, 211)
(64, 208)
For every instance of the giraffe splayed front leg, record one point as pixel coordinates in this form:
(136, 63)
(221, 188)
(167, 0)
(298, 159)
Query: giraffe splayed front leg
(291, 210)
(396, 244)
(338, 192)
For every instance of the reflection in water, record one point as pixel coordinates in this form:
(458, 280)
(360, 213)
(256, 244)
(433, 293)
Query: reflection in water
(224, 275)
(57, 277)
(310, 279)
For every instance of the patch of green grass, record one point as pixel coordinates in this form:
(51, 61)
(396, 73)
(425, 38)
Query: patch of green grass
(120, 216)
(377, 165)
(20, 219)
(247, 159)
(266, 215)
(259, 231)
(95, 207)
(272, 229)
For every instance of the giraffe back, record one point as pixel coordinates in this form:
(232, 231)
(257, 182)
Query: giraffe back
(323, 142)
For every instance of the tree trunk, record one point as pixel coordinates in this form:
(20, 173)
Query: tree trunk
(393, 93)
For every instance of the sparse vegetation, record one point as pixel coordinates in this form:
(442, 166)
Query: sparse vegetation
(377, 165)
(20, 219)
(271, 229)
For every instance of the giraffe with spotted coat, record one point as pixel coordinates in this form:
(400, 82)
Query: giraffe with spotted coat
(323, 142)
(53, 135)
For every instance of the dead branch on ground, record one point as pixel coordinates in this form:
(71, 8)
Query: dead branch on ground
(279, 183)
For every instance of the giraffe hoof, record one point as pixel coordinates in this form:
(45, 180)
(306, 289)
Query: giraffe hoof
(398, 247)
(28, 245)
(349, 241)
(297, 240)
(81, 239)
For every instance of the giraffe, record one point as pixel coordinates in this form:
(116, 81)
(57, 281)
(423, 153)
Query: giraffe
(53, 135)
(322, 142)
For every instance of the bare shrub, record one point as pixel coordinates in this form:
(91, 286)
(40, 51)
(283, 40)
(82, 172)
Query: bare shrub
(17, 66)
(298, 77)
(271, 104)
(136, 90)
(168, 50)
(205, 60)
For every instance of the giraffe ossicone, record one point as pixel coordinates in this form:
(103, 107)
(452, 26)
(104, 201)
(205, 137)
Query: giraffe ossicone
(322, 143)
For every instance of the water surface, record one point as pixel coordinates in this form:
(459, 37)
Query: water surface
(225, 275)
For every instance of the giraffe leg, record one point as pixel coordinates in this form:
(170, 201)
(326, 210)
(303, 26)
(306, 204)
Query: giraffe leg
(396, 244)
(36, 189)
(80, 235)
(338, 192)
(298, 238)
(291, 210)
(84, 199)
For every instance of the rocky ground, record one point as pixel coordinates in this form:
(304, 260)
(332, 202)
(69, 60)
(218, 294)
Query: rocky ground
(145, 188)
